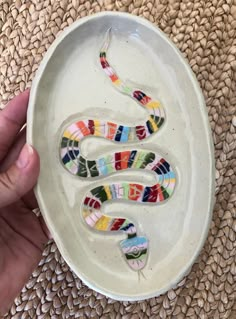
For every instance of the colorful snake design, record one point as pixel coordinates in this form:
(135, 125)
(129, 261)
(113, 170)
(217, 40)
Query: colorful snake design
(134, 247)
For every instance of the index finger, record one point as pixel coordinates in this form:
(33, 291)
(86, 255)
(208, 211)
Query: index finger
(12, 118)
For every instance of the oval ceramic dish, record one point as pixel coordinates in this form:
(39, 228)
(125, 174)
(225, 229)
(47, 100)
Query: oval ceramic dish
(129, 206)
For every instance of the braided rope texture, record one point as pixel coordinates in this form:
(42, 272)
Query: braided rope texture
(205, 32)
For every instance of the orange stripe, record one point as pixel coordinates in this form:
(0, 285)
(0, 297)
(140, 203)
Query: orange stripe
(83, 128)
(111, 130)
(161, 197)
(134, 191)
(114, 77)
(124, 156)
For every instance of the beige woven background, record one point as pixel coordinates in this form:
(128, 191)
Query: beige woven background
(205, 31)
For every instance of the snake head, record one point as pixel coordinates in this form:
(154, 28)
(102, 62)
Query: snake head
(135, 250)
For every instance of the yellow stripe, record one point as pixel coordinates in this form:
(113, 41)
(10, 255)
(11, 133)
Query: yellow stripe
(97, 128)
(153, 104)
(103, 223)
(67, 134)
(136, 159)
(154, 125)
(108, 192)
(117, 82)
(171, 181)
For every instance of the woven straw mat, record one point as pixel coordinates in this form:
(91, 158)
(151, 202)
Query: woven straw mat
(205, 32)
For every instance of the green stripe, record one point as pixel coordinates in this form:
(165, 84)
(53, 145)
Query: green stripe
(142, 252)
(132, 235)
(164, 192)
(69, 165)
(127, 90)
(140, 156)
(100, 193)
(74, 143)
(126, 190)
(82, 172)
(159, 121)
(64, 142)
(92, 165)
(149, 158)
(110, 168)
(67, 142)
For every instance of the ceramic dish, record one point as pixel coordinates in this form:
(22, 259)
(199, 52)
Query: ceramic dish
(150, 235)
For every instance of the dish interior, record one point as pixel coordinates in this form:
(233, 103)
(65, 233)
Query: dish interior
(71, 84)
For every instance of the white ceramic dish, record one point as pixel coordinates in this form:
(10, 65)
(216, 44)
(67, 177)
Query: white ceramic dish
(70, 81)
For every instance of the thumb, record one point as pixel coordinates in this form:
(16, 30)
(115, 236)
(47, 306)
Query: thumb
(20, 177)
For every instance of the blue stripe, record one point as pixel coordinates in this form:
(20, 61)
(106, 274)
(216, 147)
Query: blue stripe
(127, 227)
(133, 242)
(171, 174)
(168, 175)
(131, 158)
(146, 193)
(113, 191)
(102, 166)
(166, 166)
(118, 133)
(125, 134)
(70, 156)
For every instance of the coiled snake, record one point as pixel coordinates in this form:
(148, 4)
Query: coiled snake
(134, 247)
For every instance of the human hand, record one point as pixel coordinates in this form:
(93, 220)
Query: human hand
(22, 234)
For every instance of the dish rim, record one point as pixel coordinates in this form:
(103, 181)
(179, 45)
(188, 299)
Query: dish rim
(30, 120)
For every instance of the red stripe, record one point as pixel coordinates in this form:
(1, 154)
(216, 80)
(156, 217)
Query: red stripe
(159, 164)
(117, 161)
(104, 63)
(145, 100)
(91, 126)
(117, 223)
(92, 203)
(136, 94)
(140, 132)
(152, 198)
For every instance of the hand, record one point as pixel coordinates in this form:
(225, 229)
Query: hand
(22, 234)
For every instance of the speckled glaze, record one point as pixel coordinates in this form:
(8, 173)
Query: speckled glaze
(69, 84)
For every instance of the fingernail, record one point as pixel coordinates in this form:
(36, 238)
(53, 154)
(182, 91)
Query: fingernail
(24, 157)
